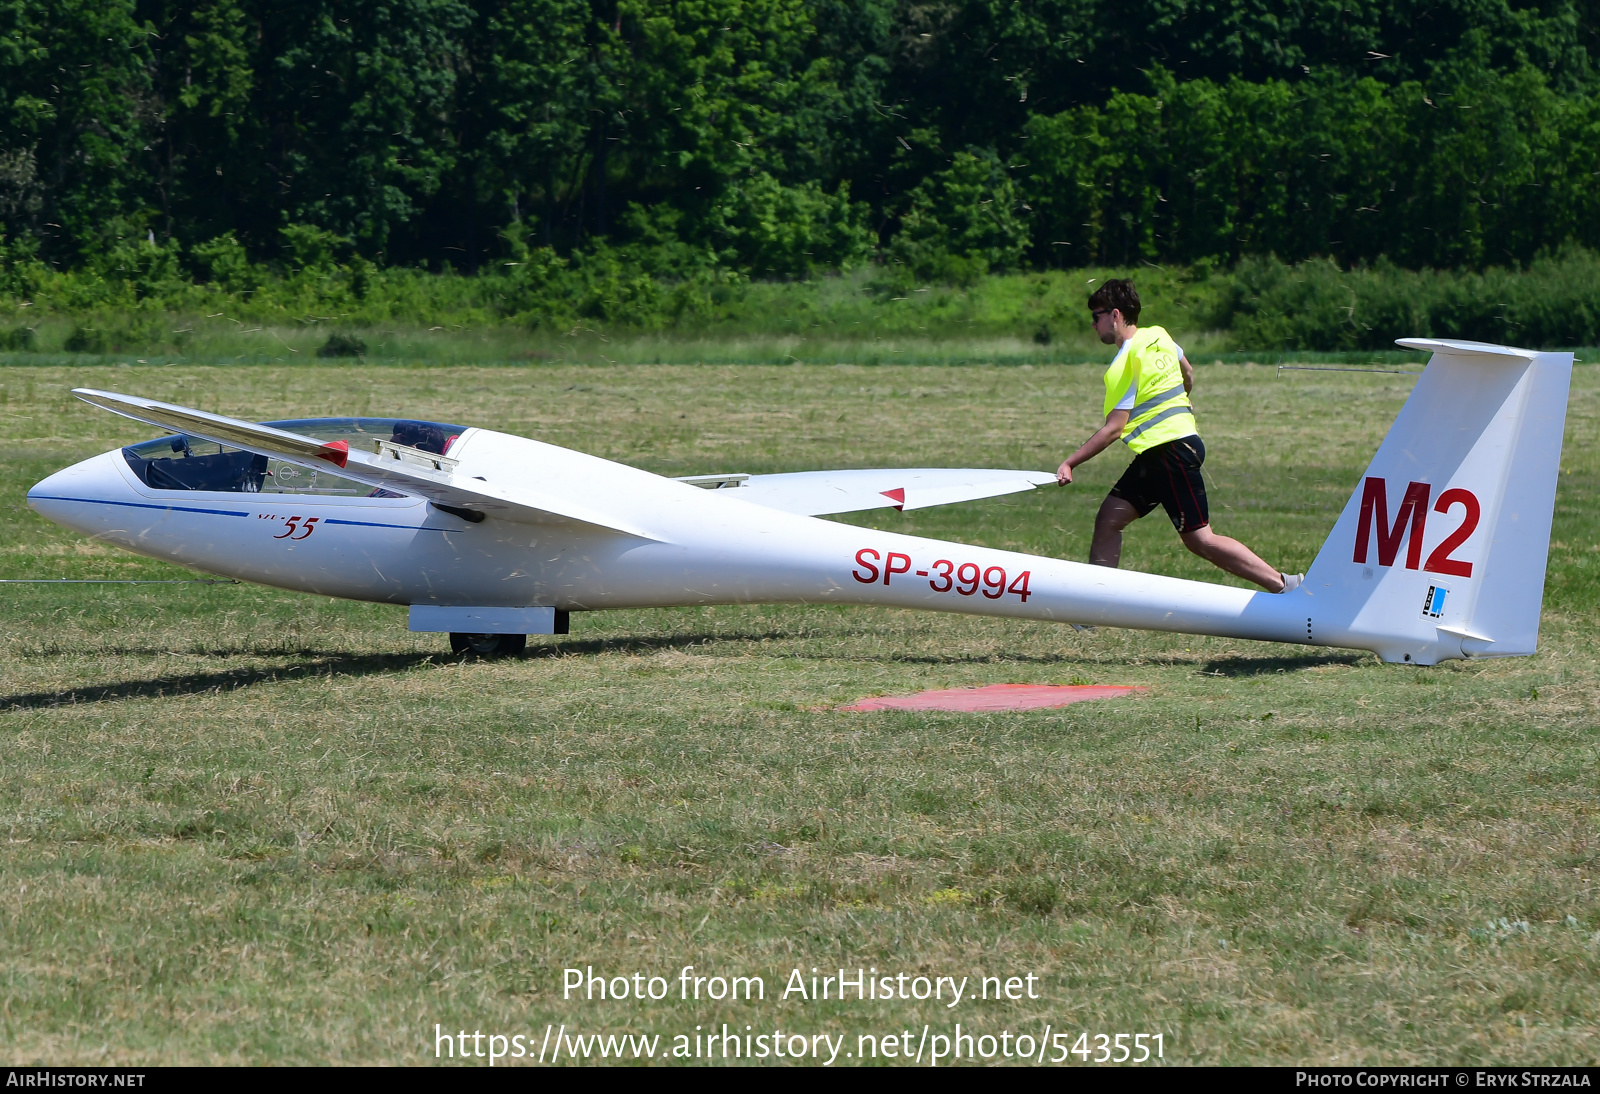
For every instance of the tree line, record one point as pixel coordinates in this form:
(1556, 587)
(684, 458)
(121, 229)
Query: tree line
(779, 138)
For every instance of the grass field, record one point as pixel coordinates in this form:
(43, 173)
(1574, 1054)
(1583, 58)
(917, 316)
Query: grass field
(252, 826)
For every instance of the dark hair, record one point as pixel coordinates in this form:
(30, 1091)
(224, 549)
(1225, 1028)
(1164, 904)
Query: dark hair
(1120, 294)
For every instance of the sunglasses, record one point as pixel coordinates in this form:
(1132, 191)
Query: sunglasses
(1094, 316)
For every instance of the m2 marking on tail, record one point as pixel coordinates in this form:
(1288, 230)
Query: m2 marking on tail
(1413, 510)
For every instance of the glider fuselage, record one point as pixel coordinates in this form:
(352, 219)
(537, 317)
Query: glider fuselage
(1439, 552)
(693, 547)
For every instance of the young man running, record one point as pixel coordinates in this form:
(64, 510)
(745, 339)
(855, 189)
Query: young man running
(1147, 407)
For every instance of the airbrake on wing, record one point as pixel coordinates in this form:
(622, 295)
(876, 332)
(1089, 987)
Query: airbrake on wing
(825, 493)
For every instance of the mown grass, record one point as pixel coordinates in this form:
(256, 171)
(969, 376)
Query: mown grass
(246, 825)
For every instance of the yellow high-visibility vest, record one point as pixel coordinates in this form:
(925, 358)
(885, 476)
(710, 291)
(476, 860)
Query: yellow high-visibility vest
(1161, 408)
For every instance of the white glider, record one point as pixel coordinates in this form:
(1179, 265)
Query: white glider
(1439, 553)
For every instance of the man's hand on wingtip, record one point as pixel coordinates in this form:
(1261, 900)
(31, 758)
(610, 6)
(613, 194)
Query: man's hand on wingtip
(1064, 474)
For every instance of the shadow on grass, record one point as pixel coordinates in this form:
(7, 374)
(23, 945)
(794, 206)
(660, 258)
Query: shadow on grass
(318, 662)
(1264, 666)
(590, 647)
(197, 683)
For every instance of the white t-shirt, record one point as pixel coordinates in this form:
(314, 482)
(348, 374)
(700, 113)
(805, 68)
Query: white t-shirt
(1126, 402)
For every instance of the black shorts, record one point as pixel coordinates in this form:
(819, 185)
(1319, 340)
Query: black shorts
(1168, 475)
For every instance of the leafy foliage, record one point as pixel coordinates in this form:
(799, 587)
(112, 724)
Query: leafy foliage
(962, 222)
(1554, 302)
(144, 304)
(780, 138)
(1481, 168)
(777, 230)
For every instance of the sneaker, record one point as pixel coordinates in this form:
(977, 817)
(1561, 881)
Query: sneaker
(1291, 582)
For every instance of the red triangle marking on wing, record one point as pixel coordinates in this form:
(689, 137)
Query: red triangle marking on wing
(336, 453)
(898, 494)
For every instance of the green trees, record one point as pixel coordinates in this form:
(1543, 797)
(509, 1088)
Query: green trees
(783, 137)
(75, 108)
(774, 230)
(962, 222)
(1472, 169)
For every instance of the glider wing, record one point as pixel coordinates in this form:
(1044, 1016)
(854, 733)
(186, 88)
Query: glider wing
(403, 470)
(822, 493)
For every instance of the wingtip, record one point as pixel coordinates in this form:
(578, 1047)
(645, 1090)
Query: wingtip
(125, 405)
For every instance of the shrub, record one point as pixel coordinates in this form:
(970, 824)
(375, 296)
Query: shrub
(309, 248)
(87, 340)
(17, 339)
(342, 345)
(962, 222)
(790, 231)
(224, 263)
(1553, 301)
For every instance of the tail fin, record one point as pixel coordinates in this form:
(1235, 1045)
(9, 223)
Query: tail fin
(1441, 551)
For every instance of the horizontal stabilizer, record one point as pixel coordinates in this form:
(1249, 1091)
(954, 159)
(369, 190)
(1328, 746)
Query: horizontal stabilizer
(430, 478)
(823, 493)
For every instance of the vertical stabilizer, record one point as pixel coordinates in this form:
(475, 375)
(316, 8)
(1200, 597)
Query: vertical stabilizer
(1441, 550)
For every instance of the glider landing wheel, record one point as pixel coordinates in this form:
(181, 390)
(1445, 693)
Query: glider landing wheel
(488, 645)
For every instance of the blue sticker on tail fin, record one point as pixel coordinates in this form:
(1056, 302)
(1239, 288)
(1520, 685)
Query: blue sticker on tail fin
(1433, 603)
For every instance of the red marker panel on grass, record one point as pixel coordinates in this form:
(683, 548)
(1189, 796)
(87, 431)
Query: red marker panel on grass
(995, 697)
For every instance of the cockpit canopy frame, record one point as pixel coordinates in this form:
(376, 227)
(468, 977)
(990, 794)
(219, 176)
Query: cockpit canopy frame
(179, 462)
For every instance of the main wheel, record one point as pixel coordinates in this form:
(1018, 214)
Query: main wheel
(488, 645)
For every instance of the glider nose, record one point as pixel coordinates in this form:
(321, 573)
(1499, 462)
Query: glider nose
(71, 495)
